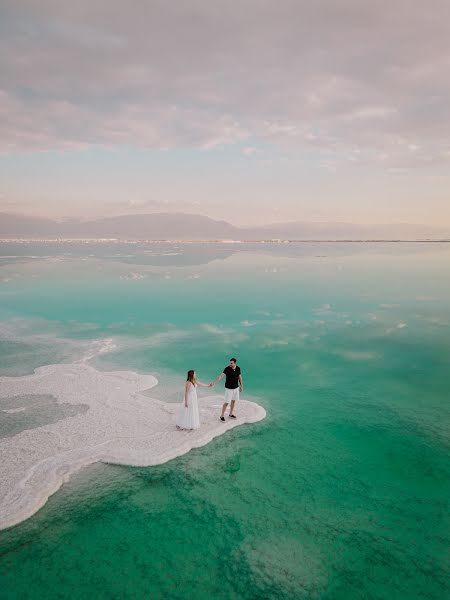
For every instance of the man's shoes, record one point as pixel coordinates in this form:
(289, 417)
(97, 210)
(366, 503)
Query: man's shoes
(232, 416)
(222, 418)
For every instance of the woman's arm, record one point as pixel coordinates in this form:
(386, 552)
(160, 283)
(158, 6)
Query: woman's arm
(203, 384)
(186, 392)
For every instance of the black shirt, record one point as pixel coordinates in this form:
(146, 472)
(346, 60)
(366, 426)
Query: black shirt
(232, 380)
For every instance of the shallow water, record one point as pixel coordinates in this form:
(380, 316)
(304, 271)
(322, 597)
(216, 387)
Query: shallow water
(342, 492)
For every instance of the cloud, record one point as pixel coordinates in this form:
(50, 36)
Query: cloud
(359, 82)
(135, 206)
(8, 205)
(249, 150)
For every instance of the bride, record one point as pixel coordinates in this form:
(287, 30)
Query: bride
(188, 416)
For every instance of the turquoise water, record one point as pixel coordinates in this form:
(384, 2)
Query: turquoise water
(342, 492)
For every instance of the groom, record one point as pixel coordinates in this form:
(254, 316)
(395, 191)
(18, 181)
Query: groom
(233, 385)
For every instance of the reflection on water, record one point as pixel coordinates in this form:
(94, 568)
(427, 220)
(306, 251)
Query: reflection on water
(195, 253)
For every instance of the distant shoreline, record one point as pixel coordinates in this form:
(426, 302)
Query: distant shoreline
(221, 241)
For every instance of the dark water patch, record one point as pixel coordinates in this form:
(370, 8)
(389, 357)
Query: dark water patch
(21, 413)
(21, 358)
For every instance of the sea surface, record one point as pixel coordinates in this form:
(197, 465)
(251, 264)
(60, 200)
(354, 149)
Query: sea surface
(342, 492)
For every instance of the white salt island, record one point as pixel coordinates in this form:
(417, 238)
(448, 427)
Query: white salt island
(65, 417)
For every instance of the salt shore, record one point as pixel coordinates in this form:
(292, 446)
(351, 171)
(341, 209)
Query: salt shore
(102, 417)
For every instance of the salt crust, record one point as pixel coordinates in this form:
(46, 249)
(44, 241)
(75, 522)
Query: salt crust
(122, 426)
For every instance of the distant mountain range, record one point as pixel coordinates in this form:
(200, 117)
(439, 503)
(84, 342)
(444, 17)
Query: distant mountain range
(170, 226)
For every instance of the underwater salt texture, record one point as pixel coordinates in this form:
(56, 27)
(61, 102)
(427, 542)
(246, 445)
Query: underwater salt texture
(341, 492)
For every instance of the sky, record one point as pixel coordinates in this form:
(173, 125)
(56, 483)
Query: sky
(252, 111)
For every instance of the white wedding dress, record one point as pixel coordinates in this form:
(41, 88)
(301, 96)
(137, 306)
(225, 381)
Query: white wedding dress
(188, 417)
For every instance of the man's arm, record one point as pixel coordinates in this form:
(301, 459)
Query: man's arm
(221, 376)
(241, 383)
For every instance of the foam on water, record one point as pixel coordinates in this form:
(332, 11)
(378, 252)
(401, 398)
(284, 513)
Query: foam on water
(121, 426)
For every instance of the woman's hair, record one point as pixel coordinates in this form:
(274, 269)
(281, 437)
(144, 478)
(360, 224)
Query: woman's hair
(190, 376)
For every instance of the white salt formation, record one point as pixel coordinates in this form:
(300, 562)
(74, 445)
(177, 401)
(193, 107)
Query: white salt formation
(102, 417)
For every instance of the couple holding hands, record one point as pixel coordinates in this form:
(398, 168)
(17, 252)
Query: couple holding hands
(188, 416)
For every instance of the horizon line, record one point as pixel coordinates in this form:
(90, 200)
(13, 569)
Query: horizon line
(225, 240)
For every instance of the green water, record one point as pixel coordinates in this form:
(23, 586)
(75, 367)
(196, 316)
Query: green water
(342, 492)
